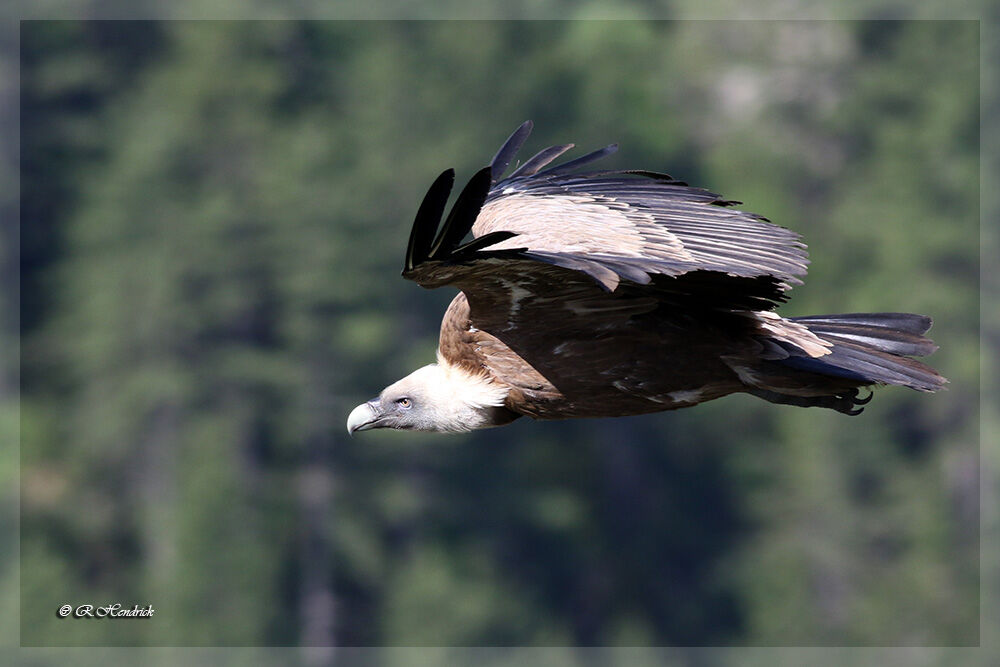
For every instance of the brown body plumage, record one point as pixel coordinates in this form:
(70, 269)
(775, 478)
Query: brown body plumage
(619, 293)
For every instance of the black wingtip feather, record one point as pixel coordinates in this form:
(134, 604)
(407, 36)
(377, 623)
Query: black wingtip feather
(463, 214)
(540, 159)
(427, 219)
(475, 245)
(572, 165)
(500, 161)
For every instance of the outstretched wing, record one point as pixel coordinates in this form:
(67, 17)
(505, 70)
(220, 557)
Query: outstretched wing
(643, 227)
(631, 225)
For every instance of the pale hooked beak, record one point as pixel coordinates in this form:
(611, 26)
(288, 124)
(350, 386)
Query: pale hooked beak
(363, 417)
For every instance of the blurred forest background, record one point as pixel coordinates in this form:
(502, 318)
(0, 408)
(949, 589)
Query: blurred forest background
(213, 223)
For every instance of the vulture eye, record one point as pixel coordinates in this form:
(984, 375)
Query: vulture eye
(404, 403)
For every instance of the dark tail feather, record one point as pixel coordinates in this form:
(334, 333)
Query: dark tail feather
(872, 348)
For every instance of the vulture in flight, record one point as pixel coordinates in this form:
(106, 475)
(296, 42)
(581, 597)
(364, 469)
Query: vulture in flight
(613, 293)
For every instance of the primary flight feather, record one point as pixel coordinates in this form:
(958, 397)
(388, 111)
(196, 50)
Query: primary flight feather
(613, 293)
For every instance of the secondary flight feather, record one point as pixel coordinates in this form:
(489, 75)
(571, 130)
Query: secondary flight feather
(614, 293)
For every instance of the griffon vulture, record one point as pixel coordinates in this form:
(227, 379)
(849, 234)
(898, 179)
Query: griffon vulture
(613, 293)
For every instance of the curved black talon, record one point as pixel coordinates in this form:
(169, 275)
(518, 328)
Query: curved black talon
(866, 400)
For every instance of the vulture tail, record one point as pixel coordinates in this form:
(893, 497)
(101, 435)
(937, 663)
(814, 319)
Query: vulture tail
(866, 349)
(875, 347)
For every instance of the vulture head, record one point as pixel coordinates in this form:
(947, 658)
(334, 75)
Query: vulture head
(438, 397)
